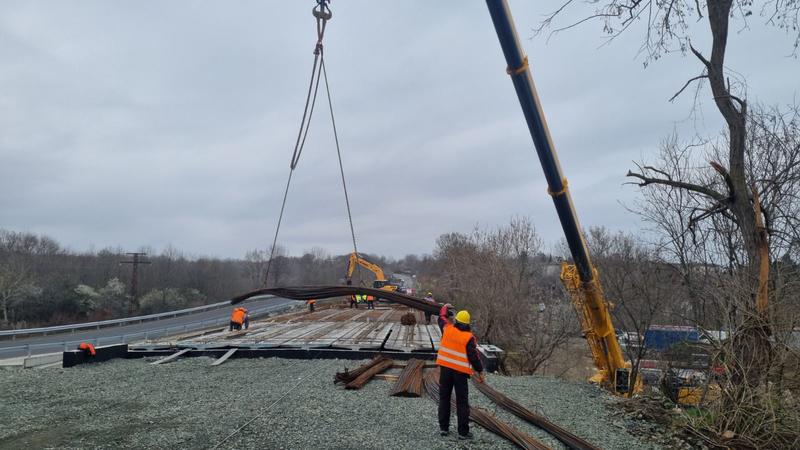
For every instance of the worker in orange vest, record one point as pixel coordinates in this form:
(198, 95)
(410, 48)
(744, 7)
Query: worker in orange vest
(457, 359)
(237, 318)
(311, 304)
(370, 302)
(87, 348)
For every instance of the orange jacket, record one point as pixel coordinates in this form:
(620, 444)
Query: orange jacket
(311, 302)
(87, 347)
(237, 315)
(453, 349)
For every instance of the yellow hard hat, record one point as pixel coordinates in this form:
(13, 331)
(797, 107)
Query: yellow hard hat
(463, 317)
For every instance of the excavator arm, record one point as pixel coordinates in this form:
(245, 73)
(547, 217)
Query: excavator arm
(380, 279)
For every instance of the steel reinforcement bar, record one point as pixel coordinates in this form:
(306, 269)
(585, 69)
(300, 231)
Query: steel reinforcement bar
(566, 437)
(319, 292)
(486, 420)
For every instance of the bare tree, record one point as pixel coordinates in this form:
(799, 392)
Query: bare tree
(255, 267)
(643, 289)
(15, 284)
(727, 195)
(496, 276)
(277, 266)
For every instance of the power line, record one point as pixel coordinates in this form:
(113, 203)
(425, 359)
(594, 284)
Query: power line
(134, 262)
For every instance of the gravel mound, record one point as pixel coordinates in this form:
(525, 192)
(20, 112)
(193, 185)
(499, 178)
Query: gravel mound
(289, 404)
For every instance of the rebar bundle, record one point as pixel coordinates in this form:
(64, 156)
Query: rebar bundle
(362, 379)
(409, 319)
(349, 375)
(486, 420)
(566, 437)
(320, 292)
(409, 383)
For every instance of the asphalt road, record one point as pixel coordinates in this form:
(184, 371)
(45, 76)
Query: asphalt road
(136, 331)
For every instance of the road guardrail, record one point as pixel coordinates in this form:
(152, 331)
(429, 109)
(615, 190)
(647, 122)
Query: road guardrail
(13, 334)
(30, 349)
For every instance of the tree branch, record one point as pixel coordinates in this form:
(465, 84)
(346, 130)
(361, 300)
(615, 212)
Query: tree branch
(700, 56)
(645, 180)
(687, 85)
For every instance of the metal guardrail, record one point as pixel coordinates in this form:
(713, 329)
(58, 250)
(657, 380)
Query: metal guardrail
(139, 335)
(126, 320)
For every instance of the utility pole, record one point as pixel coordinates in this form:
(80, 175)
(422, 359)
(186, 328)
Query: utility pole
(135, 261)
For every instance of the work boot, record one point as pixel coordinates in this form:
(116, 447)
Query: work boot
(444, 433)
(465, 436)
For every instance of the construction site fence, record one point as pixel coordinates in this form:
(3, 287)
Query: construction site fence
(44, 331)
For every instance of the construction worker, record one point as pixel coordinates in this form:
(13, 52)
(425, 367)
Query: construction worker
(246, 318)
(457, 360)
(429, 298)
(353, 301)
(370, 302)
(237, 318)
(311, 304)
(87, 348)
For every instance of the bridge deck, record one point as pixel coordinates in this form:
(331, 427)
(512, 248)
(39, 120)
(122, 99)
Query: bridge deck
(336, 326)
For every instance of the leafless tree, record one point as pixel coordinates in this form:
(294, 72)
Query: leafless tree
(255, 267)
(737, 207)
(496, 276)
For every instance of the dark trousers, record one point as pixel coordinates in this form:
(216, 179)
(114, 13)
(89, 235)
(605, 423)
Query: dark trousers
(370, 305)
(234, 326)
(427, 317)
(449, 379)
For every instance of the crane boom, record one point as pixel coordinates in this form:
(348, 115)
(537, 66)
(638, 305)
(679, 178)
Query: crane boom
(581, 278)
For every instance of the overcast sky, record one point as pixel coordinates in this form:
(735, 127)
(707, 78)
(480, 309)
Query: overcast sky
(172, 123)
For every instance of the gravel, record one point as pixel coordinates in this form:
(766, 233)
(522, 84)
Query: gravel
(294, 404)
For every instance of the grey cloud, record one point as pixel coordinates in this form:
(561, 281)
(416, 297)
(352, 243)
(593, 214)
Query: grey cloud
(148, 124)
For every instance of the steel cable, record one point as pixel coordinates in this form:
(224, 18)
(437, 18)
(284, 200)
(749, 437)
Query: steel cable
(339, 154)
(322, 14)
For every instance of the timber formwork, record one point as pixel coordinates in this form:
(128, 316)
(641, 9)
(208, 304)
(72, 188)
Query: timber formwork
(338, 330)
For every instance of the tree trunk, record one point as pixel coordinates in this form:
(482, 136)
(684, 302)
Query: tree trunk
(751, 347)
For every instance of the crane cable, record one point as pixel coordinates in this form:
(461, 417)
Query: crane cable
(322, 13)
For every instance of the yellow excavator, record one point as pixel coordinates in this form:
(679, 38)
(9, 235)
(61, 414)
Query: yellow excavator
(380, 279)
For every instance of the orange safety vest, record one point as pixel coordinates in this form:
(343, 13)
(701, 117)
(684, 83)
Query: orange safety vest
(238, 315)
(370, 298)
(453, 349)
(85, 346)
(311, 302)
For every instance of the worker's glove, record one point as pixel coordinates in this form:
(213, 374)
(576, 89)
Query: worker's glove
(480, 377)
(445, 310)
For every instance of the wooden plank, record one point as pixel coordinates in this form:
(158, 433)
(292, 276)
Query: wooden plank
(224, 357)
(171, 357)
(386, 376)
(385, 315)
(343, 331)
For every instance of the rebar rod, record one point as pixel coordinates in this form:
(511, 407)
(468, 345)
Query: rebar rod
(350, 375)
(566, 437)
(362, 379)
(486, 420)
(320, 292)
(409, 383)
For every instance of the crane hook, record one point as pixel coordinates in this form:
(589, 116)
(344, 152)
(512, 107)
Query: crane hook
(323, 14)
